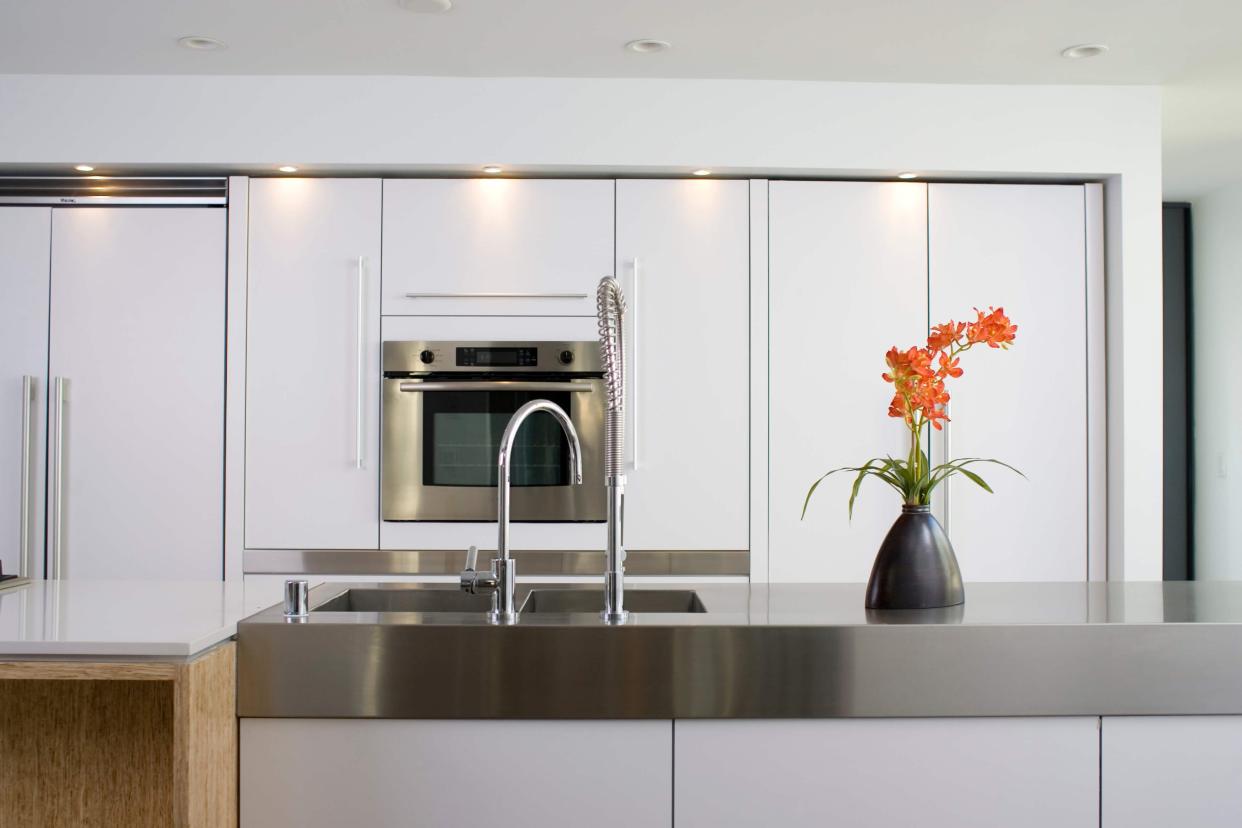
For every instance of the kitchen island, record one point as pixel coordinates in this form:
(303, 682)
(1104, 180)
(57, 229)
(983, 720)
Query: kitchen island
(117, 703)
(1034, 704)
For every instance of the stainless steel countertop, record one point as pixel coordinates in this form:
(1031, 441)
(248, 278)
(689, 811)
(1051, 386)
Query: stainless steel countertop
(780, 650)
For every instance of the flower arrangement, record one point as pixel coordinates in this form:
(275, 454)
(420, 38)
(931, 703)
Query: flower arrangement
(918, 376)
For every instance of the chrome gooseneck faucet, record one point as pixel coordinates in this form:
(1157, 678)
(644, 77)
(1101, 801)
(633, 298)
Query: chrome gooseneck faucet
(502, 579)
(610, 306)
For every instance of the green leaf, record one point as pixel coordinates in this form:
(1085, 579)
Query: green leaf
(815, 485)
(976, 479)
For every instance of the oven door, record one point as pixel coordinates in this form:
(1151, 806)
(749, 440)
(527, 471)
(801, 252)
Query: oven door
(441, 441)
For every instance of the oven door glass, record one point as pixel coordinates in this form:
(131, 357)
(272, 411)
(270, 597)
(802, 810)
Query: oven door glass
(462, 432)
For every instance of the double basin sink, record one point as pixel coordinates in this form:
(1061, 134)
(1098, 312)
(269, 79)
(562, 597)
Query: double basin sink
(537, 601)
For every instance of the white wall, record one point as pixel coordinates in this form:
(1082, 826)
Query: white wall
(1216, 222)
(743, 127)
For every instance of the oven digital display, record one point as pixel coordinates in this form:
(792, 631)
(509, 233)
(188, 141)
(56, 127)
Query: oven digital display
(498, 357)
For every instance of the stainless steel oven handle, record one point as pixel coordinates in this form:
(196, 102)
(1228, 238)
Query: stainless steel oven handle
(496, 296)
(496, 385)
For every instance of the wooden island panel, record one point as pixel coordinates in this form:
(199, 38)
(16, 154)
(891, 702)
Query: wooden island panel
(112, 743)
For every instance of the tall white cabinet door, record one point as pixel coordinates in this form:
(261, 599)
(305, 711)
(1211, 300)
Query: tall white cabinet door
(325, 773)
(683, 259)
(1158, 771)
(25, 238)
(877, 773)
(847, 281)
(137, 338)
(1021, 247)
(487, 247)
(313, 364)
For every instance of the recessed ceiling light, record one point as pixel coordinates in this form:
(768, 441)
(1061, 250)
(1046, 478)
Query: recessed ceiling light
(200, 44)
(84, 168)
(1084, 50)
(702, 172)
(426, 6)
(492, 169)
(647, 46)
(288, 168)
(907, 175)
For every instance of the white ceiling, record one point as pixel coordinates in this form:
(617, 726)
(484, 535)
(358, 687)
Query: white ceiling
(1190, 45)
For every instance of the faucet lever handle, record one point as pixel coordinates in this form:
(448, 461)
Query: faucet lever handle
(472, 557)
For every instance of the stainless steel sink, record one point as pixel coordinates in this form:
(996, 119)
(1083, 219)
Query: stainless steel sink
(637, 600)
(405, 600)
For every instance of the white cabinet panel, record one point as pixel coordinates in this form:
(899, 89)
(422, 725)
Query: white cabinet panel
(1159, 771)
(1020, 247)
(683, 259)
(137, 331)
(25, 238)
(887, 772)
(483, 240)
(848, 280)
(324, 773)
(313, 364)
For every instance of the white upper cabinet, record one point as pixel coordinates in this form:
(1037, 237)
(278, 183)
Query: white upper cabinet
(1021, 247)
(136, 476)
(25, 238)
(495, 247)
(683, 260)
(847, 281)
(313, 364)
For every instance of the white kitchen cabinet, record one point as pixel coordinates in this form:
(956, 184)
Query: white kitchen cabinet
(1159, 771)
(324, 773)
(847, 281)
(136, 343)
(1021, 247)
(25, 241)
(1032, 772)
(496, 247)
(313, 364)
(683, 259)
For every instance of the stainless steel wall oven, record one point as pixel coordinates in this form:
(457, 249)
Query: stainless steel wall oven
(446, 405)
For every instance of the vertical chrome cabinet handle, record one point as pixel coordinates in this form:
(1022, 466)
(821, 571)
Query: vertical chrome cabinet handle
(632, 370)
(56, 520)
(360, 447)
(947, 486)
(24, 550)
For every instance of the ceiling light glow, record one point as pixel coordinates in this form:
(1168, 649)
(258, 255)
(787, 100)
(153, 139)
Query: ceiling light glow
(84, 168)
(646, 45)
(492, 169)
(1084, 50)
(702, 172)
(198, 43)
(288, 168)
(906, 176)
(426, 6)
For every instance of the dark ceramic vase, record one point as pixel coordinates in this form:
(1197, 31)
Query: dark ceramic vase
(915, 567)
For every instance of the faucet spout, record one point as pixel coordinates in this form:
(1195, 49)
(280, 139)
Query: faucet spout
(503, 579)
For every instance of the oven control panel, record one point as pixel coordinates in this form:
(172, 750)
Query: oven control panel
(494, 357)
(424, 357)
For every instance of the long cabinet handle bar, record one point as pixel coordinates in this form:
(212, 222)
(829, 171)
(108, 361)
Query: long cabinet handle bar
(631, 365)
(24, 550)
(947, 488)
(56, 519)
(495, 386)
(360, 436)
(496, 296)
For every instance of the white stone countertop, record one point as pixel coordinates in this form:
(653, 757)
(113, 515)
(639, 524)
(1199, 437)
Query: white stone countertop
(117, 618)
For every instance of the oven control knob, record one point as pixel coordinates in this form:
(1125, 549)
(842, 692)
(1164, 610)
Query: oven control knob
(427, 357)
(567, 357)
